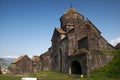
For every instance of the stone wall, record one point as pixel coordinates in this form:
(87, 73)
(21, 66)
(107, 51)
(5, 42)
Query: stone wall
(36, 63)
(45, 60)
(96, 60)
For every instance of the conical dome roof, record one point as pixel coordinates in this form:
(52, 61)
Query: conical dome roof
(71, 11)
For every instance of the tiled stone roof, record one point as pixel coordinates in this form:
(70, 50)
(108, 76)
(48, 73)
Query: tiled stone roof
(71, 11)
(18, 59)
(60, 30)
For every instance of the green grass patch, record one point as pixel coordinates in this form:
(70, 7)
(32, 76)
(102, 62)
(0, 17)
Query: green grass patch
(43, 75)
(50, 75)
(9, 77)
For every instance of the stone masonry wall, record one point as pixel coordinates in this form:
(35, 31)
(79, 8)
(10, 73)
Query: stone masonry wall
(23, 66)
(95, 61)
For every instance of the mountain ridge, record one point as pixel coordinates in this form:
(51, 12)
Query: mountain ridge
(5, 62)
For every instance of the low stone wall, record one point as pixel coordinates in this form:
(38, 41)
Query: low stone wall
(95, 61)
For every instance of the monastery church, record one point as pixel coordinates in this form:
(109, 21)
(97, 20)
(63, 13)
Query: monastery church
(76, 47)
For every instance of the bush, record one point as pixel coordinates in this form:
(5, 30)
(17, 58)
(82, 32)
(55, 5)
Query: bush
(81, 51)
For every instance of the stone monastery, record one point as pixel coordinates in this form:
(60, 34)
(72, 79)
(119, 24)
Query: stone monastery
(76, 46)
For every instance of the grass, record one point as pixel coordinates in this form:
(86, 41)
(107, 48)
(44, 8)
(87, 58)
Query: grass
(43, 75)
(9, 77)
(109, 72)
(50, 75)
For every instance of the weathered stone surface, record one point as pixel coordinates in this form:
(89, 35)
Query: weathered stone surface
(96, 60)
(22, 65)
(45, 61)
(36, 63)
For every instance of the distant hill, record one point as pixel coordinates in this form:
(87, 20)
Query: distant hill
(2, 60)
(5, 62)
(9, 59)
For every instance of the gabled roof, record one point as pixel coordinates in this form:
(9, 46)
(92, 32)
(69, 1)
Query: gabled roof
(106, 41)
(88, 21)
(18, 59)
(45, 54)
(60, 30)
(117, 46)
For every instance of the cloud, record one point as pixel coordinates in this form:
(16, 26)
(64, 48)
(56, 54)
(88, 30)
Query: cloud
(9, 56)
(115, 41)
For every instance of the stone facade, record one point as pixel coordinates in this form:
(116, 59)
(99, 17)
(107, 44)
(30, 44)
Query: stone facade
(45, 61)
(95, 61)
(77, 34)
(21, 65)
(36, 63)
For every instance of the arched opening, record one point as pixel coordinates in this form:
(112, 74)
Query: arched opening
(76, 68)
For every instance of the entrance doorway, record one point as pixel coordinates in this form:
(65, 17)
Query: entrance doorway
(76, 68)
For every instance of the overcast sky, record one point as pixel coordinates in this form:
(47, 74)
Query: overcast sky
(26, 26)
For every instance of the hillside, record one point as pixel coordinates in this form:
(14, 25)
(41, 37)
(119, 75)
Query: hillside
(9, 59)
(3, 63)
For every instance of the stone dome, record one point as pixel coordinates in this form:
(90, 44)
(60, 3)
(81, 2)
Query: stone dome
(71, 16)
